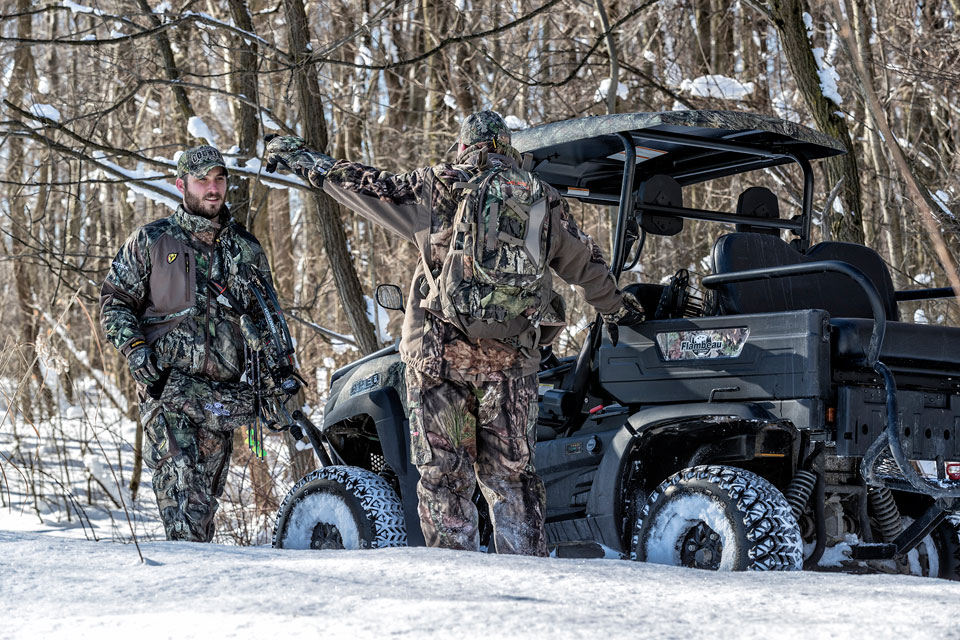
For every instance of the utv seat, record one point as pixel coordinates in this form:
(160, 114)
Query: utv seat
(905, 345)
(758, 202)
(834, 292)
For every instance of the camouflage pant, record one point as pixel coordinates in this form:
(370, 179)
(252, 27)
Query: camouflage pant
(189, 462)
(464, 433)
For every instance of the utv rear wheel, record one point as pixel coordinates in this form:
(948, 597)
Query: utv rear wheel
(938, 554)
(340, 507)
(720, 518)
(947, 538)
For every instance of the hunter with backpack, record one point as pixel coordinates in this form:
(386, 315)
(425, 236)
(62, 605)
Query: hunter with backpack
(489, 232)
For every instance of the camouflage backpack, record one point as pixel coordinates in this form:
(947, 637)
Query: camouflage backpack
(494, 282)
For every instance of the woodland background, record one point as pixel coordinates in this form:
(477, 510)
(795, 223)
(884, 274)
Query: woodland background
(98, 96)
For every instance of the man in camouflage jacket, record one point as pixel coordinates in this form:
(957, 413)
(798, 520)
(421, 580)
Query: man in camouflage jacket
(183, 342)
(472, 404)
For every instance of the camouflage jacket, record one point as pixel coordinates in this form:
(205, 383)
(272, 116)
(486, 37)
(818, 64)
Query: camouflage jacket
(420, 206)
(157, 290)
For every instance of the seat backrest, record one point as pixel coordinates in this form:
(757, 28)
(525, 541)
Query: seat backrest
(758, 202)
(868, 261)
(834, 292)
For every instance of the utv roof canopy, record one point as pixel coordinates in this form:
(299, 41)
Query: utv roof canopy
(609, 159)
(587, 154)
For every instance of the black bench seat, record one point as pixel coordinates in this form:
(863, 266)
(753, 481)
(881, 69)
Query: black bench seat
(906, 346)
(930, 351)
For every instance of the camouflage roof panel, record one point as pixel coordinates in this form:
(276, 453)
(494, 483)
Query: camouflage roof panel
(547, 135)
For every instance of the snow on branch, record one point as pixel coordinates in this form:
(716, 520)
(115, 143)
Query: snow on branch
(160, 191)
(601, 94)
(197, 128)
(47, 111)
(717, 86)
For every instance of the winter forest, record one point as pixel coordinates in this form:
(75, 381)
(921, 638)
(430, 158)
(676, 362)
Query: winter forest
(99, 96)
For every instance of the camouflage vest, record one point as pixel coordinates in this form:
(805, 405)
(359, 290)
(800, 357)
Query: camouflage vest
(494, 281)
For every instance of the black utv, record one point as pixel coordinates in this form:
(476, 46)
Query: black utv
(784, 411)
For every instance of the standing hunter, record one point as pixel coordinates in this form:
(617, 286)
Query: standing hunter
(182, 341)
(474, 319)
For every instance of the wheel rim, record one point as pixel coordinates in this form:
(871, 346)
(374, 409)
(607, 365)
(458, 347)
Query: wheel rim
(701, 548)
(674, 528)
(326, 536)
(322, 520)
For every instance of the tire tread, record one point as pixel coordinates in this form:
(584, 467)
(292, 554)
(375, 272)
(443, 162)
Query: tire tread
(771, 529)
(379, 501)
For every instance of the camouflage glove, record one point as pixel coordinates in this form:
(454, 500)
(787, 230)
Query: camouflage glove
(143, 365)
(630, 314)
(293, 154)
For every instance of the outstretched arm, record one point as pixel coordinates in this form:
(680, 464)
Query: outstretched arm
(577, 258)
(392, 200)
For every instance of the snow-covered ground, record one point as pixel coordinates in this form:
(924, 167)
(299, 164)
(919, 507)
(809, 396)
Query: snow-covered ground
(54, 587)
(68, 569)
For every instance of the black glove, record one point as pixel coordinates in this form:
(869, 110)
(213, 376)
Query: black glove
(143, 365)
(630, 314)
(292, 153)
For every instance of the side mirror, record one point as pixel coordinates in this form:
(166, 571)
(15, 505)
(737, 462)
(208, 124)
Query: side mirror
(389, 296)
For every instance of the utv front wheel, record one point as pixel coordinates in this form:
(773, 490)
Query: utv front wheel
(720, 518)
(340, 507)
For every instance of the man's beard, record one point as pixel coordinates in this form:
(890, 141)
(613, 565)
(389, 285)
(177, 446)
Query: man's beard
(201, 207)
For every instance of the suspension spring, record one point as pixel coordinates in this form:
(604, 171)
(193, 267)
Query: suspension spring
(800, 490)
(886, 512)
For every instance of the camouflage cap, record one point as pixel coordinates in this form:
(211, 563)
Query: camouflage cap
(199, 160)
(482, 126)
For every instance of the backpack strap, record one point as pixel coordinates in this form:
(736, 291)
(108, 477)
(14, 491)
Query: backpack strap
(519, 209)
(422, 240)
(538, 214)
(422, 237)
(493, 226)
(423, 243)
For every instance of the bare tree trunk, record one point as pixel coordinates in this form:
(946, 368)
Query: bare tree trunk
(611, 96)
(19, 219)
(460, 73)
(431, 101)
(787, 15)
(243, 80)
(612, 51)
(328, 219)
(721, 38)
(919, 195)
(891, 231)
(281, 245)
(170, 67)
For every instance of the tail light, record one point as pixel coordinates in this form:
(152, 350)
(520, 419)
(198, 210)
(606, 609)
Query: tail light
(928, 469)
(953, 470)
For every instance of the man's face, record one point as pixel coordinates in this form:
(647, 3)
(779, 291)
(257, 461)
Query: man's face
(204, 196)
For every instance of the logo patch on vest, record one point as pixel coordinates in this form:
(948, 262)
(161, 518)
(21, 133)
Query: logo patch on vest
(216, 409)
(171, 257)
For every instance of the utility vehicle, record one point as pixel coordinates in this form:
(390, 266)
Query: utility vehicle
(785, 411)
